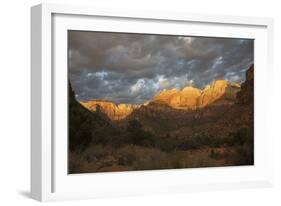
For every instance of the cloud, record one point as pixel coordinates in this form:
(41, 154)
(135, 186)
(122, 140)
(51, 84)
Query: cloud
(131, 68)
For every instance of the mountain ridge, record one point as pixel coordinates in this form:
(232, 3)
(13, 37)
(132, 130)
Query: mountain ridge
(187, 98)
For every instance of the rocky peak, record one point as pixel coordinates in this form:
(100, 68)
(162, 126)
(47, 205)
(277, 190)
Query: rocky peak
(185, 98)
(165, 95)
(112, 110)
(190, 90)
(212, 92)
(246, 95)
(191, 98)
(250, 73)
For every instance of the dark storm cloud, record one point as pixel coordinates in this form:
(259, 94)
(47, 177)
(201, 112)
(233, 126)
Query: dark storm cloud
(131, 68)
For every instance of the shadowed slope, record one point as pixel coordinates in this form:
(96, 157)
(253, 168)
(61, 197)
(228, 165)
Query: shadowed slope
(84, 126)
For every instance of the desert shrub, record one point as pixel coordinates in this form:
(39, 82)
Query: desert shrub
(142, 158)
(177, 161)
(74, 164)
(203, 140)
(241, 137)
(126, 160)
(187, 144)
(78, 163)
(244, 136)
(134, 126)
(217, 154)
(101, 136)
(245, 147)
(198, 141)
(199, 160)
(213, 154)
(127, 155)
(167, 144)
(98, 151)
(244, 155)
(138, 136)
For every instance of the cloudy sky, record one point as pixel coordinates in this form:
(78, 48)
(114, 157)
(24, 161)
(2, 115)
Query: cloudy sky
(132, 68)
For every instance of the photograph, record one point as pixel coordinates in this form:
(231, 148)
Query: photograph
(140, 101)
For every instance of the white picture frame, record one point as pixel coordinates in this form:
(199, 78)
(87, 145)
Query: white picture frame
(49, 179)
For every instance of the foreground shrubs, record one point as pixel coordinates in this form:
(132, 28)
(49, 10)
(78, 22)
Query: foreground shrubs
(239, 138)
(138, 149)
(138, 136)
(103, 158)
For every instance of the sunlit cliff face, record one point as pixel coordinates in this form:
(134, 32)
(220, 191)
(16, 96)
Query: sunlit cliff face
(188, 98)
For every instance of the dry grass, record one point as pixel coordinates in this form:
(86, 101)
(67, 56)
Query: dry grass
(99, 158)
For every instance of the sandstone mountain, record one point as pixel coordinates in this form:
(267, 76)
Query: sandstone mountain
(112, 110)
(188, 98)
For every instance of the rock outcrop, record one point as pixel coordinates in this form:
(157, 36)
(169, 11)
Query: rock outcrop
(190, 98)
(180, 99)
(112, 110)
(212, 93)
(165, 96)
(246, 95)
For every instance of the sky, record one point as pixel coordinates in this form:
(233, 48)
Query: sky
(132, 68)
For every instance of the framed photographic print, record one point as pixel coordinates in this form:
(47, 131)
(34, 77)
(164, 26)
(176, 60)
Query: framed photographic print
(134, 102)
